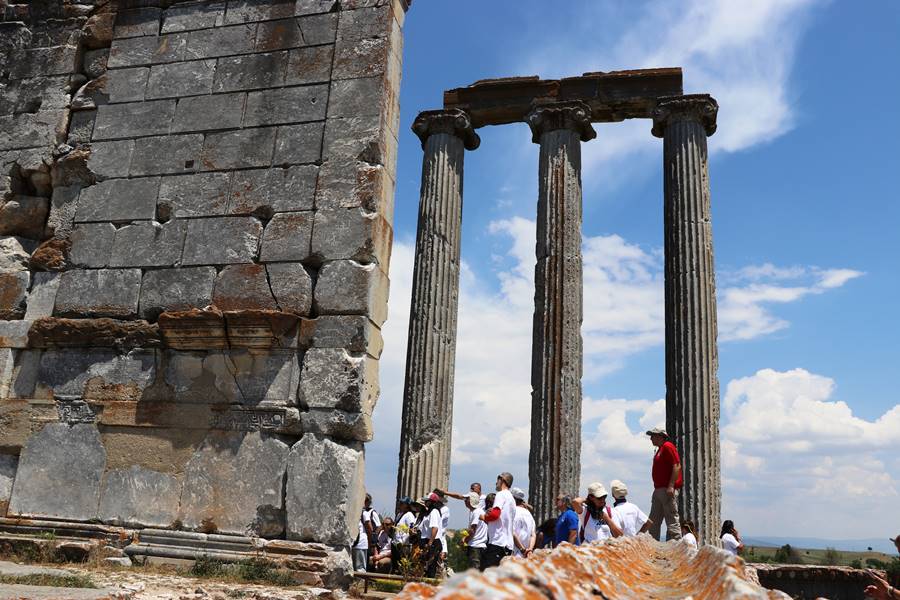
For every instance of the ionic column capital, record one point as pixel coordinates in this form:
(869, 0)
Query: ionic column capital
(699, 108)
(575, 116)
(452, 121)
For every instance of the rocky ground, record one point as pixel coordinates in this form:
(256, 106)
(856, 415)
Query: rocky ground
(141, 583)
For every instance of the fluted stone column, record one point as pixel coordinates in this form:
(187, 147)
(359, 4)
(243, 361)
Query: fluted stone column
(554, 462)
(428, 391)
(692, 386)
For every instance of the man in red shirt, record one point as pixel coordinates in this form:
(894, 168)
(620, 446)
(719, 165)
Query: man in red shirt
(667, 481)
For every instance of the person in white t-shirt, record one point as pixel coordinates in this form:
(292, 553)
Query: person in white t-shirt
(434, 525)
(500, 519)
(687, 533)
(524, 528)
(477, 540)
(474, 487)
(598, 521)
(369, 523)
(406, 520)
(731, 539)
(381, 559)
(632, 518)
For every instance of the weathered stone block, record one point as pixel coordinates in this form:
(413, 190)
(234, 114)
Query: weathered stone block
(92, 244)
(194, 329)
(367, 57)
(363, 139)
(34, 94)
(127, 85)
(42, 296)
(97, 31)
(134, 52)
(102, 375)
(286, 105)
(273, 190)
(248, 72)
(139, 497)
(221, 41)
(92, 333)
(262, 330)
(346, 287)
(244, 11)
(318, 29)
(278, 35)
(110, 159)
(234, 484)
(81, 127)
(18, 381)
(351, 233)
(313, 7)
(200, 195)
(238, 149)
(98, 293)
(8, 464)
(13, 256)
(118, 200)
(355, 184)
(95, 62)
(24, 216)
(166, 154)
(333, 378)
(137, 22)
(247, 377)
(292, 287)
(336, 472)
(148, 244)
(91, 95)
(14, 334)
(13, 291)
(363, 23)
(221, 241)
(176, 289)
(41, 62)
(181, 79)
(242, 287)
(299, 144)
(351, 332)
(358, 97)
(59, 457)
(27, 130)
(195, 15)
(199, 113)
(338, 424)
(309, 65)
(287, 237)
(134, 119)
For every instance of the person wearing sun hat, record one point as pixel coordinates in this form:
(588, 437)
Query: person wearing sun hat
(667, 481)
(633, 519)
(598, 520)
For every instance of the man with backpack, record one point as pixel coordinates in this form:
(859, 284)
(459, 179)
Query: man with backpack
(366, 540)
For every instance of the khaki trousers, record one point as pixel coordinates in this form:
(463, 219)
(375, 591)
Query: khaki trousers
(662, 507)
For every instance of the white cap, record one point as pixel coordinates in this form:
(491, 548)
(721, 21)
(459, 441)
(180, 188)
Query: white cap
(596, 490)
(619, 489)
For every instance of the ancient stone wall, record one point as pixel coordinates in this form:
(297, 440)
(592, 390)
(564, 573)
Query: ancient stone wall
(196, 226)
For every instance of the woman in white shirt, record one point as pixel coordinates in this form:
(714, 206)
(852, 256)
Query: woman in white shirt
(688, 534)
(731, 539)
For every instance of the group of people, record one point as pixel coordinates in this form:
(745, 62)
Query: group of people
(501, 523)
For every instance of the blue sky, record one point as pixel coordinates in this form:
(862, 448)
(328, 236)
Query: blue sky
(805, 222)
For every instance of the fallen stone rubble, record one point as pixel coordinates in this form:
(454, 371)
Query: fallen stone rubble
(624, 568)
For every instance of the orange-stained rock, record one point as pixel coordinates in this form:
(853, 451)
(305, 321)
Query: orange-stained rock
(50, 332)
(633, 568)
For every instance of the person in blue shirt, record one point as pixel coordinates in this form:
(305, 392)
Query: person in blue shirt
(567, 523)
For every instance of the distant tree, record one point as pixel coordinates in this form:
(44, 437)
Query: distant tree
(831, 557)
(876, 564)
(787, 555)
(856, 563)
(870, 548)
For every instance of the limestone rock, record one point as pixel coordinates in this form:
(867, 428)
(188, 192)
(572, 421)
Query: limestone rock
(338, 424)
(346, 287)
(336, 472)
(69, 459)
(92, 244)
(53, 332)
(198, 195)
(354, 333)
(139, 497)
(95, 62)
(276, 190)
(13, 291)
(287, 237)
(223, 240)
(95, 374)
(243, 287)
(176, 289)
(14, 334)
(51, 255)
(8, 464)
(292, 287)
(148, 244)
(335, 379)
(13, 256)
(99, 293)
(42, 296)
(351, 233)
(234, 484)
(24, 216)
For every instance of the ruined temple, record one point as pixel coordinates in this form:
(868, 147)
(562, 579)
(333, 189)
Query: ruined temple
(195, 210)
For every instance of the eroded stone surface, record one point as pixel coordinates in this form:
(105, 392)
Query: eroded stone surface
(176, 289)
(98, 293)
(138, 496)
(59, 457)
(234, 484)
(335, 379)
(8, 465)
(69, 374)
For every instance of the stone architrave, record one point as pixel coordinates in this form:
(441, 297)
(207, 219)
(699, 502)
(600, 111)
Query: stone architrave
(428, 391)
(692, 386)
(554, 462)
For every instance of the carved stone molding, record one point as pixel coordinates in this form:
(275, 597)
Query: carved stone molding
(562, 115)
(452, 121)
(700, 108)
